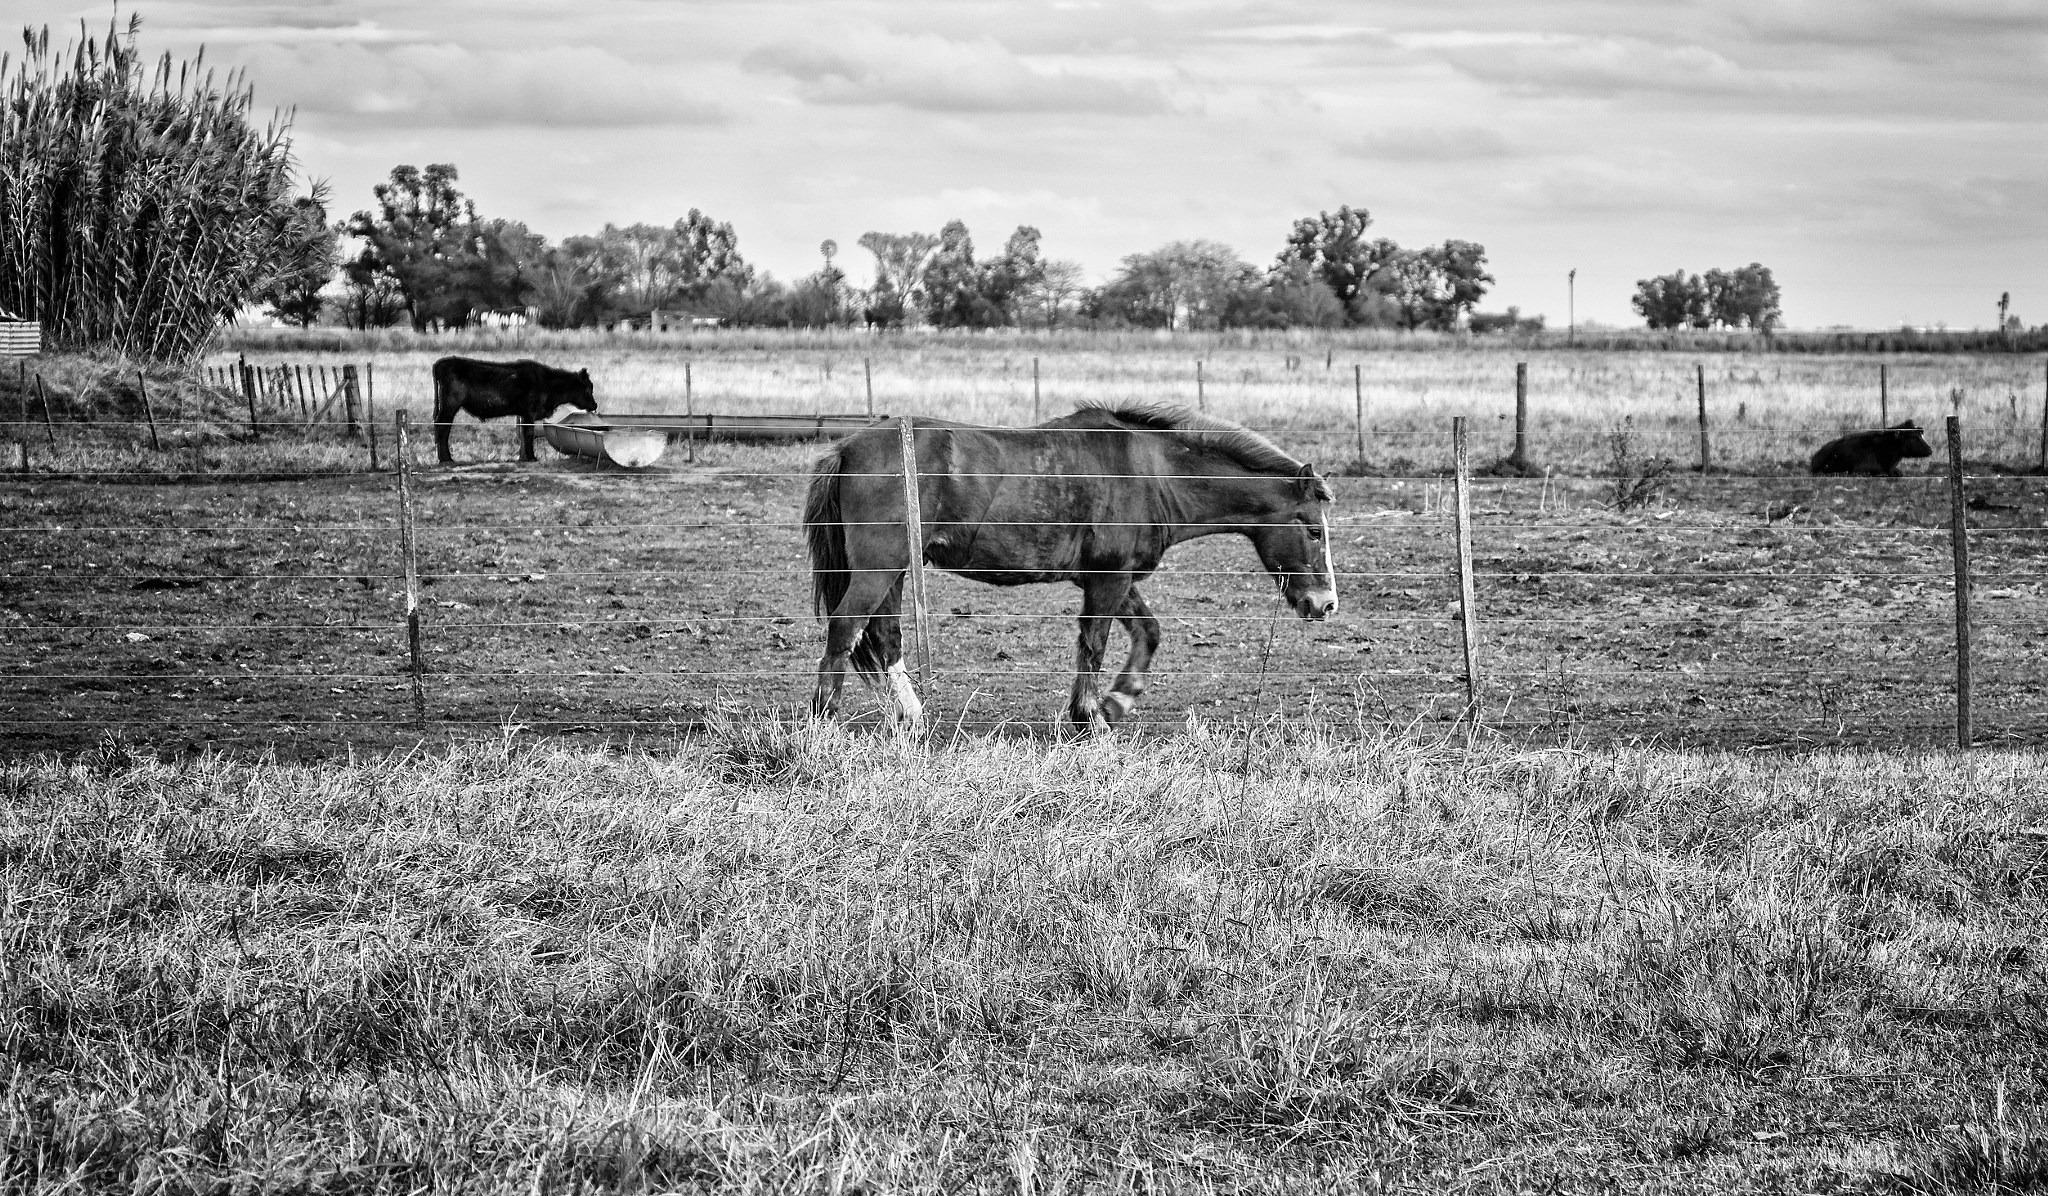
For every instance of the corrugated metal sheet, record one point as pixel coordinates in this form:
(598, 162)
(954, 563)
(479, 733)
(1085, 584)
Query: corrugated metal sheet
(20, 338)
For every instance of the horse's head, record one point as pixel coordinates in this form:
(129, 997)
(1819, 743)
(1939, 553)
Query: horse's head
(1294, 545)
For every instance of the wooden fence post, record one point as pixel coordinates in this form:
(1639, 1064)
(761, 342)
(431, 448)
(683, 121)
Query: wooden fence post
(1201, 398)
(49, 421)
(1358, 404)
(1034, 393)
(1706, 449)
(408, 545)
(370, 413)
(352, 399)
(142, 388)
(1884, 396)
(2044, 417)
(1468, 608)
(1521, 454)
(690, 413)
(249, 393)
(867, 373)
(913, 533)
(1959, 537)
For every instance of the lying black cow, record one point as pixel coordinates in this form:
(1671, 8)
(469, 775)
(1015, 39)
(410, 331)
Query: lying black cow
(1872, 452)
(496, 389)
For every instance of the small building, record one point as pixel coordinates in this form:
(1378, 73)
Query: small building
(681, 321)
(19, 337)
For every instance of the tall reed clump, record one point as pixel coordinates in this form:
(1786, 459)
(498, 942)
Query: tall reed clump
(138, 206)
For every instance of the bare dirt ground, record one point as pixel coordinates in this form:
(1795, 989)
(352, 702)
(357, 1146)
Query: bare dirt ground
(559, 599)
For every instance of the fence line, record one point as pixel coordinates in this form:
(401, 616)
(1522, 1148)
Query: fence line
(1464, 574)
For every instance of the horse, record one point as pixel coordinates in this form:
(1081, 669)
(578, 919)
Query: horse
(1095, 498)
(496, 389)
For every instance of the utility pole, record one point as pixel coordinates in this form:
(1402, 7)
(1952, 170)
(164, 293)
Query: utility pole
(1571, 283)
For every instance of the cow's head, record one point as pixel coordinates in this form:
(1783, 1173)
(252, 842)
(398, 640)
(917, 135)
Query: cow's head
(581, 394)
(1907, 440)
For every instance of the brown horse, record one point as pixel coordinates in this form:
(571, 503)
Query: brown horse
(1095, 498)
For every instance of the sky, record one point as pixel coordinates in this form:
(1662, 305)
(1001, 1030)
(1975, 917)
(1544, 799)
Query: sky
(1888, 159)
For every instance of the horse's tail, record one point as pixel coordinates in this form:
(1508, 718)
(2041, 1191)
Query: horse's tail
(827, 536)
(830, 576)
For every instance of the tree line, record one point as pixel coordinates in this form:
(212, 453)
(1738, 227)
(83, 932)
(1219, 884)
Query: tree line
(1746, 297)
(427, 258)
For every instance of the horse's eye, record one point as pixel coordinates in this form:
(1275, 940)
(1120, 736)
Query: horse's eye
(1315, 533)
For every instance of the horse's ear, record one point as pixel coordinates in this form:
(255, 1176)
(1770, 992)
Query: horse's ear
(585, 372)
(1306, 483)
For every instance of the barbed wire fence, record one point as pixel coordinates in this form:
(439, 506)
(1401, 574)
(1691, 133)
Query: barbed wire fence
(1456, 655)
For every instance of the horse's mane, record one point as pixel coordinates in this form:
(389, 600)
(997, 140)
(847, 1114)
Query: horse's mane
(1197, 430)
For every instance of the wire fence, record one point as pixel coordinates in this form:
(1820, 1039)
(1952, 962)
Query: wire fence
(648, 608)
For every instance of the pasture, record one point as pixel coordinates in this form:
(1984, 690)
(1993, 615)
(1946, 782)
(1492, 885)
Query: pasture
(1766, 609)
(818, 962)
(618, 918)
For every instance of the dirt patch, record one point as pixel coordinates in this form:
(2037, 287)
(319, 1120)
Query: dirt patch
(564, 600)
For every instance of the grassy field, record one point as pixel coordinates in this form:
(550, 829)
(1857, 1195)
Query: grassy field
(1769, 411)
(809, 962)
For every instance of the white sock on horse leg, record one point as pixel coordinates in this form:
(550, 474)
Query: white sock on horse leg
(909, 709)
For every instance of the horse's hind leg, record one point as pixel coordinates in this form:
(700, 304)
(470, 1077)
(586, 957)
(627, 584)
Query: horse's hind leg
(1130, 684)
(867, 592)
(885, 638)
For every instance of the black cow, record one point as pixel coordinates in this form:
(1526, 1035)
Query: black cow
(527, 390)
(1877, 453)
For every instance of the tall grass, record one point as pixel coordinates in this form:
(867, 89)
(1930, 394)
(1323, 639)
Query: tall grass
(812, 962)
(139, 207)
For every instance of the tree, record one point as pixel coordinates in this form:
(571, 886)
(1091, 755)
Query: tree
(1008, 281)
(446, 264)
(1055, 286)
(1671, 300)
(1183, 284)
(1292, 296)
(899, 262)
(952, 286)
(1746, 297)
(309, 255)
(1335, 247)
(1458, 281)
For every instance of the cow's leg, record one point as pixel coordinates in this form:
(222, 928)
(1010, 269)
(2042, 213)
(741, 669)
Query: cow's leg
(858, 611)
(526, 439)
(444, 425)
(1102, 597)
(1130, 684)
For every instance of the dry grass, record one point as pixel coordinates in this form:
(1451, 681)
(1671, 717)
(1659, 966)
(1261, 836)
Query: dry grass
(1770, 411)
(804, 961)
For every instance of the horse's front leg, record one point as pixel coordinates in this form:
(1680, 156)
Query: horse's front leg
(1130, 684)
(1102, 598)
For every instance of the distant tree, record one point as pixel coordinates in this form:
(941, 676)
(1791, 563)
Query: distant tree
(884, 305)
(309, 254)
(1747, 298)
(1292, 296)
(445, 263)
(568, 291)
(899, 261)
(1184, 284)
(1335, 247)
(1510, 321)
(1054, 289)
(643, 267)
(952, 285)
(1459, 280)
(1672, 300)
(711, 252)
(1007, 282)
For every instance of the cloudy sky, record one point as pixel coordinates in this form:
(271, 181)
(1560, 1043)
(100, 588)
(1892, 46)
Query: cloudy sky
(1887, 158)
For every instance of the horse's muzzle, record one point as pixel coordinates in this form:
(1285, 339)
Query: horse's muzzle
(1316, 607)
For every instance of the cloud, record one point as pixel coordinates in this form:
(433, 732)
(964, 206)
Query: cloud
(1419, 144)
(441, 85)
(1569, 65)
(935, 74)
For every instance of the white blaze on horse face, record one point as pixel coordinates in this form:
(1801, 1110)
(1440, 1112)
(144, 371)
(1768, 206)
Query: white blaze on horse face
(1329, 570)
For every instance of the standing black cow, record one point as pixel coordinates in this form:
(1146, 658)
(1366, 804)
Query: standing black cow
(1876, 452)
(496, 389)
